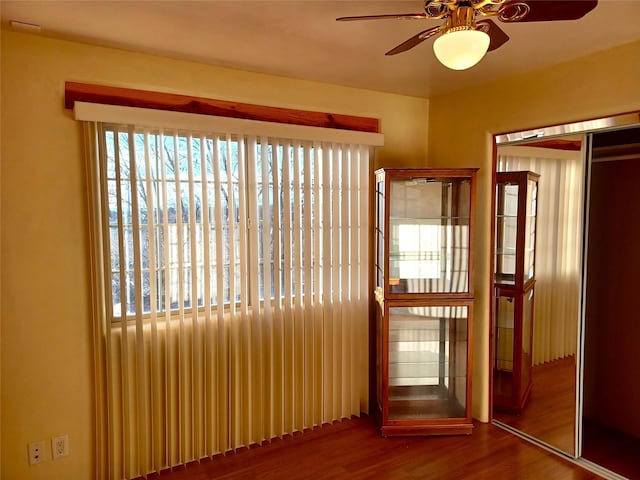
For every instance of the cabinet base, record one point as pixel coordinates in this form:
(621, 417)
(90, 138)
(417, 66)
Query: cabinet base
(510, 402)
(462, 428)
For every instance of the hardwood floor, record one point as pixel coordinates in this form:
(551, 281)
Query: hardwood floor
(549, 416)
(550, 411)
(354, 449)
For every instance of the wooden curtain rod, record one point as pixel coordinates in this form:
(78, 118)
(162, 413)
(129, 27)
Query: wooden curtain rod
(127, 97)
(558, 144)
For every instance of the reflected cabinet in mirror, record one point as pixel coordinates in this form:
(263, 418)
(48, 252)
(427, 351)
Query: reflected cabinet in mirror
(424, 300)
(515, 235)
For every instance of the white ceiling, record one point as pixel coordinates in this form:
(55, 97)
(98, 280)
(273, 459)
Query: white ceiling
(301, 39)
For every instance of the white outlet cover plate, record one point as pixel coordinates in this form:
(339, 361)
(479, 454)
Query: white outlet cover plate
(60, 446)
(36, 452)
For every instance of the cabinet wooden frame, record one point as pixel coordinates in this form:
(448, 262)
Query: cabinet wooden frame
(438, 400)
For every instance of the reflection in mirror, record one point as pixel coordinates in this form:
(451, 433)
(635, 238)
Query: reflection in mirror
(537, 279)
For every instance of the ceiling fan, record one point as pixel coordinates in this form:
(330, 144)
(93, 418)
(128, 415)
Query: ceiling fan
(463, 41)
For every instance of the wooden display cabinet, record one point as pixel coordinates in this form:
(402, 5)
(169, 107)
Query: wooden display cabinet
(424, 296)
(516, 204)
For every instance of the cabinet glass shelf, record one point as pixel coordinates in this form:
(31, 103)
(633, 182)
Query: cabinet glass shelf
(437, 221)
(423, 402)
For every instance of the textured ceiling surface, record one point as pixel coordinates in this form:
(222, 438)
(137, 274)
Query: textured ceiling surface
(301, 38)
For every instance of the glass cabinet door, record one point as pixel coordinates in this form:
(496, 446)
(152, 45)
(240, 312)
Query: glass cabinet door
(379, 232)
(527, 342)
(530, 229)
(427, 362)
(515, 232)
(504, 346)
(513, 360)
(379, 355)
(429, 235)
(506, 232)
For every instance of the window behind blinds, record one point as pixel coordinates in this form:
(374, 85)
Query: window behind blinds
(235, 289)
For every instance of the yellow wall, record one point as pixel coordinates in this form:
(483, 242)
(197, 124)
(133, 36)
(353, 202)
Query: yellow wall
(460, 134)
(0, 267)
(46, 335)
(46, 329)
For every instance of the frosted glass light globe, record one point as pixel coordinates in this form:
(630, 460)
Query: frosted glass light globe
(461, 49)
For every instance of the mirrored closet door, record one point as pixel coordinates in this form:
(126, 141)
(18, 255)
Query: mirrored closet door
(565, 342)
(547, 328)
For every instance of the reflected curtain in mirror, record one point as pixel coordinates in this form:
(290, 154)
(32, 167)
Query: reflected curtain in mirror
(559, 235)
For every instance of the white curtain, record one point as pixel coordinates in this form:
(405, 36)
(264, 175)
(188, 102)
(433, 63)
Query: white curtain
(558, 244)
(231, 290)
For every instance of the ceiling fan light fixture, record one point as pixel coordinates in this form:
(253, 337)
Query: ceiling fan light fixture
(459, 49)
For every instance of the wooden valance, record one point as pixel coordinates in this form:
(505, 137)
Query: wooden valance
(84, 92)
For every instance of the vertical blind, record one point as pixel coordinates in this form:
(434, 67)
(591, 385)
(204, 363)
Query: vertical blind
(234, 290)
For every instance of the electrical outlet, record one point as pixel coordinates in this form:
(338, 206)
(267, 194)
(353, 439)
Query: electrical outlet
(36, 452)
(60, 446)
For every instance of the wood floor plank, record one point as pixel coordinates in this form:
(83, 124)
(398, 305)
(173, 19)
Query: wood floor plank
(354, 449)
(550, 413)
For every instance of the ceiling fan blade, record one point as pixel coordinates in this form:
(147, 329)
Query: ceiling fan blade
(497, 37)
(415, 40)
(549, 10)
(399, 16)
